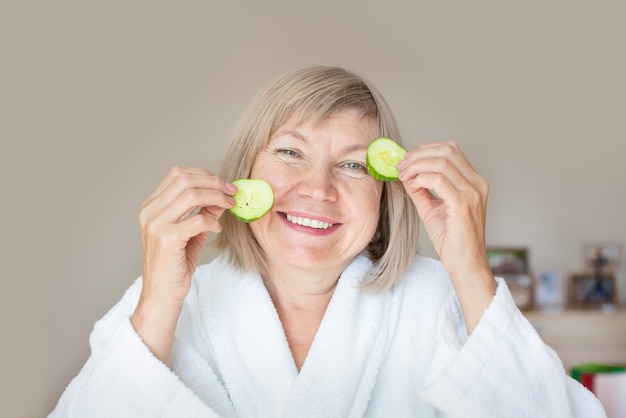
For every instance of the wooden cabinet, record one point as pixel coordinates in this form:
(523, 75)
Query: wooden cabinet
(580, 336)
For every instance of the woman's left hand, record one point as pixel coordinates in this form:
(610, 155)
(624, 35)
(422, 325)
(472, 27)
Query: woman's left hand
(451, 198)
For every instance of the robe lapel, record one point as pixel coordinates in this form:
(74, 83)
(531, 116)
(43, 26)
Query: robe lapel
(248, 342)
(340, 371)
(253, 357)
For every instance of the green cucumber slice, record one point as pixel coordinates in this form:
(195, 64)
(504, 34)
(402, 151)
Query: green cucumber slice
(253, 199)
(383, 155)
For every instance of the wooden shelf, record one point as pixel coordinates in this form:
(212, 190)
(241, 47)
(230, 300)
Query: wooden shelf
(583, 336)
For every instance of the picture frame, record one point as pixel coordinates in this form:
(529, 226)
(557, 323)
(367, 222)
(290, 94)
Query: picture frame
(508, 260)
(511, 263)
(549, 290)
(603, 255)
(591, 290)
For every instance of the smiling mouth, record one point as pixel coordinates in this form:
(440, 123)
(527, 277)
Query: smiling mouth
(308, 222)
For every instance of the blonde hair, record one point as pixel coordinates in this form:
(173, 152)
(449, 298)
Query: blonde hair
(313, 94)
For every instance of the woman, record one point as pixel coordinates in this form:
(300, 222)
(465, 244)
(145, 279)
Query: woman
(321, 307)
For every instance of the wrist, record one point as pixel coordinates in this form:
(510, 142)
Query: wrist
(475, 291)
(155, 320)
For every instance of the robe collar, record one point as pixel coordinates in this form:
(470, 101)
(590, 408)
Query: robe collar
(252, 355)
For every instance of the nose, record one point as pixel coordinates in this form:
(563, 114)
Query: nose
(318, 186)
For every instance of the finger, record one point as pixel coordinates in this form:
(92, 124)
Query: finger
(444, 154)
(177, 235)
(199, 179)
(468, 204)
(198, 224)
(190, 200)
(445, 150)
(213, 211)
(442, 187)
(435, 165)
(477, 187)
(171, 174)
(425, 202)
(178, 178)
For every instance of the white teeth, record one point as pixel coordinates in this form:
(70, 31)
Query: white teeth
(311, 223)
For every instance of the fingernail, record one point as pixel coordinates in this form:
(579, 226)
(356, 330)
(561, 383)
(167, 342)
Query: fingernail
(401, 165)
(231, 187)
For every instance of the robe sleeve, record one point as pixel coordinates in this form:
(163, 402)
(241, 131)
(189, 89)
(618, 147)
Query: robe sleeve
(502, 369)
(123, 378)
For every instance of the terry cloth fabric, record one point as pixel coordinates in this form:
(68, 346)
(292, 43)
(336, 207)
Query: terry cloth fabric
(404, 353)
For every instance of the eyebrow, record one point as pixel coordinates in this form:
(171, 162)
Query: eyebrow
(296, 134)
(355, 147)
(346, 150)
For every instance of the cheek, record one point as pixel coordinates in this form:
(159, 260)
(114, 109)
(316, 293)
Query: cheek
(279, 181)
(365, 203)
(374, 191)
(276, 175)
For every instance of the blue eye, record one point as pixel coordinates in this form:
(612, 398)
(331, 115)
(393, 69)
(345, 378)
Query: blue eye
(288, 152)
(355, 166)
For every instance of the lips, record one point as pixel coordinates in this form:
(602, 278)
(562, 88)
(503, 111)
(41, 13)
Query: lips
(308, 222)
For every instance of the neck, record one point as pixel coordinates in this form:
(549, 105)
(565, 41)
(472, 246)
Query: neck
(301, 289)
(301, 299)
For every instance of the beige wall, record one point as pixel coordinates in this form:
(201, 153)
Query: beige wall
(98, 100)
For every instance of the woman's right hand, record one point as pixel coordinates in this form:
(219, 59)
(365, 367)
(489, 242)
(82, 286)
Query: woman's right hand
(175, 221)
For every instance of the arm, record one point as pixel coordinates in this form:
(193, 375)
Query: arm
(172, 243)
(454, 216)
(503, 369)
(123, 377)
(128, 369)
(500, 366)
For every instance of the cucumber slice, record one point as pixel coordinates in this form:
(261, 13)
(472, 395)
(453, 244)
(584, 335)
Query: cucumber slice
(383, 155)
(254, 198)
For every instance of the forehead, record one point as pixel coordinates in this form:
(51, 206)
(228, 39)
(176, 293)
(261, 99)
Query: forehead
(349, 122)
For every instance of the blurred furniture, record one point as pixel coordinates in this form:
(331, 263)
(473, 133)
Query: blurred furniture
(607, 382)
(583, 336)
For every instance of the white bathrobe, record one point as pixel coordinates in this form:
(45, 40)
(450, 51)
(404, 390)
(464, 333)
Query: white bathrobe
(404, 353)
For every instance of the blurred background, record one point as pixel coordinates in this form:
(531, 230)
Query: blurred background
(98, 99)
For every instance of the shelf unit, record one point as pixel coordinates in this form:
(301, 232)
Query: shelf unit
(583, 336)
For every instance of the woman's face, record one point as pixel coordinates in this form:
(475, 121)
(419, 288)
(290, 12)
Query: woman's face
(326, 204)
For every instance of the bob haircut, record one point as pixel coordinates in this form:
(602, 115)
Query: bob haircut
(312, 94)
